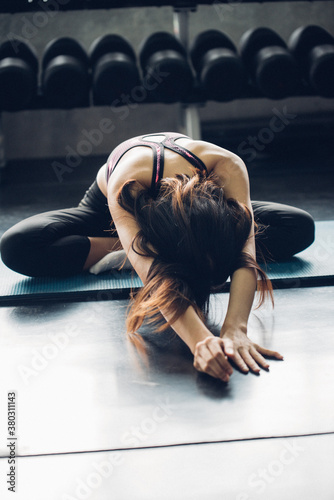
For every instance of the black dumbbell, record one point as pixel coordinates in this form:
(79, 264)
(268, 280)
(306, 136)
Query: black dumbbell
(272, 68)
(313, 47)
(218, 66)
(65, 76)
(115, 70)
(167, 74)
(18, 75)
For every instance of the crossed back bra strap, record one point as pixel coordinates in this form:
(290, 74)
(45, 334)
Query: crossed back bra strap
(158, 154)
(124, 147)
(196, 162)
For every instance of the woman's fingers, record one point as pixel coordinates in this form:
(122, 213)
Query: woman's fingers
(210, 358)
(212, 366)
(221, 363)
(238, 360)
(259, 358)
(268, 352)
(246, 357)
(235, 354)
(249, 360)
(229, 347)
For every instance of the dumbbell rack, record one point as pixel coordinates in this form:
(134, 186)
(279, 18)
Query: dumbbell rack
(189, 112)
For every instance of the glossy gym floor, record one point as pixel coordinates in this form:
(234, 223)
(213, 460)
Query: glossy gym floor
(98, 417)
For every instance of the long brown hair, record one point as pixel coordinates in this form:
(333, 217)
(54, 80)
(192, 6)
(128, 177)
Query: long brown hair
(195, 237)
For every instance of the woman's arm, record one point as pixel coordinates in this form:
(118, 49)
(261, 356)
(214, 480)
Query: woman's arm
(237, 346)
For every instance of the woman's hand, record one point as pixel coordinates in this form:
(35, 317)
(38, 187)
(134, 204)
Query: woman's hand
(209, 357)
(244, 353)
(212, 354)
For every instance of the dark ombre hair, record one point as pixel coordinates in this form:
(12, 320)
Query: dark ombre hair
(195, 237)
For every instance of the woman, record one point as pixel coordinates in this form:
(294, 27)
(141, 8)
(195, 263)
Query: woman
(181, 211)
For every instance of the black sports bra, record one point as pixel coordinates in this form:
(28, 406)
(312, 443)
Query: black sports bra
(168, 141)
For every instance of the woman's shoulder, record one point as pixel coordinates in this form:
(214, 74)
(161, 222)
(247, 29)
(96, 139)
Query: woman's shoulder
(134, 165)
(216, 158)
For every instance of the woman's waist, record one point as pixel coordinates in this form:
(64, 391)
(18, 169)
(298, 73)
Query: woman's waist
(94, 198)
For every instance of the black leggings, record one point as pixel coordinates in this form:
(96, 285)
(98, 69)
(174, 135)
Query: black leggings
(56, 243)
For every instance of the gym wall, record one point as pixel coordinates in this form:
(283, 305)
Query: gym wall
(49, 133)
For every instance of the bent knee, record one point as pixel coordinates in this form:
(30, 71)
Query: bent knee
(306, 230)
(16, 251)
